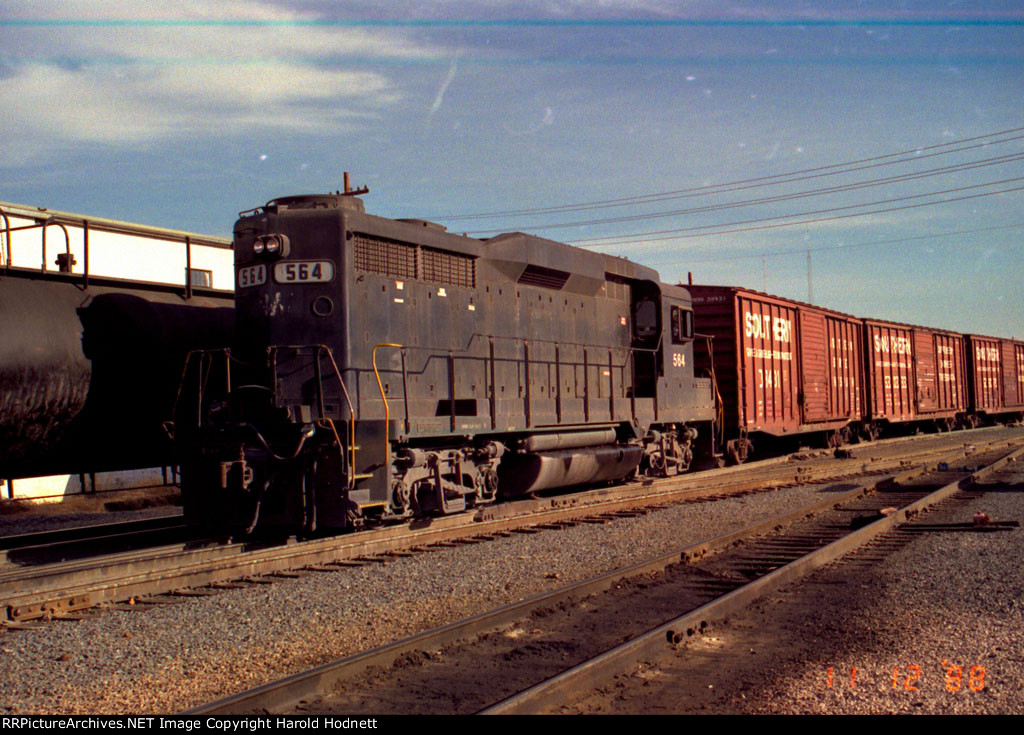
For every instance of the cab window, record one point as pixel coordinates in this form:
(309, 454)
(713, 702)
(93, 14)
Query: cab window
(682, 325)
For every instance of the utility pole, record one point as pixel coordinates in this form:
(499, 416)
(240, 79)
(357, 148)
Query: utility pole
(810, 284)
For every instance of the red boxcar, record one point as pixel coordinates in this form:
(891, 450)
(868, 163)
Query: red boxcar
(781, 367)
(996, 375)
(913, 374)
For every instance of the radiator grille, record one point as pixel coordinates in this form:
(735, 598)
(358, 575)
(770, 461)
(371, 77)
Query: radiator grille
(380, 255)
(454, 268)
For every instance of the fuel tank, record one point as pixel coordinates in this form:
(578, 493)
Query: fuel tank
(527, 473)
(89, 375)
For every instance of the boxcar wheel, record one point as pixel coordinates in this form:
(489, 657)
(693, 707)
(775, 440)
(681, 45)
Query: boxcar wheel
(739, 450)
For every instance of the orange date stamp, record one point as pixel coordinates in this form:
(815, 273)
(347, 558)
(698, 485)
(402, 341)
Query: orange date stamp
(910, 678)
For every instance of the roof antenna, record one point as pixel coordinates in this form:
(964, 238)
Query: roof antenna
(350, 192)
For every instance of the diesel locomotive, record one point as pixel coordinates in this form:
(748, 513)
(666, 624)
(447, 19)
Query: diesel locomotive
(385, 369)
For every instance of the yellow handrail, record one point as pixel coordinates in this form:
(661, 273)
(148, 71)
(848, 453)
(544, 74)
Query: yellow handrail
(380, 386)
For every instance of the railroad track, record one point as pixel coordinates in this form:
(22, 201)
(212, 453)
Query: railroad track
(62, 544)
(57, 590)
(572, 637)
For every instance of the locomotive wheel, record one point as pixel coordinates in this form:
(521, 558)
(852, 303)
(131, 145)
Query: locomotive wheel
(659, 465)
(490, 483)
(400, 496)
(685, 458)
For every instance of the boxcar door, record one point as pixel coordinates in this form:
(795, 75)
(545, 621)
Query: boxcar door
(814, 367)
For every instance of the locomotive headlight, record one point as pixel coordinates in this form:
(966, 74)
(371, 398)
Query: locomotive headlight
(271, 246)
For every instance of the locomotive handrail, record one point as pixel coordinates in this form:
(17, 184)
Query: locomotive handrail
(228, 357)
(627, 348)
(630, 352)
(380, 386)
(351, 412)
(718, 423)
(321, 349)
(560, 342)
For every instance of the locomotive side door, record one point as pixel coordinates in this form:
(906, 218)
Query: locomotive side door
(645, 304)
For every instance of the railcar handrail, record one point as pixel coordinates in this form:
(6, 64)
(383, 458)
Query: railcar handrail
(380, 385)
(351, 411)
(629, 349)
(87, 226)
(7, 230)
(67, 243)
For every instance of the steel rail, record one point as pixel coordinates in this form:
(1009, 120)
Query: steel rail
(19, 551)
(40, 592)
(91, 530)
(318, 681)
(662, 639)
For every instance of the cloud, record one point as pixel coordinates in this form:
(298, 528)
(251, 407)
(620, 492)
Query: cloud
(142, 81)
(439, 97)
(133, 105)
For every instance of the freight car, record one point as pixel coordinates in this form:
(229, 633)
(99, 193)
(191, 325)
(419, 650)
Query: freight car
(88, 376)
(995, 378)
(90, 363)
(913, 374)
(386, 368)
(782, 368)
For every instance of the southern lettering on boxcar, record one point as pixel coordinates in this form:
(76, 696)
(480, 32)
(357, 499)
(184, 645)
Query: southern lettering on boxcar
(782, 368)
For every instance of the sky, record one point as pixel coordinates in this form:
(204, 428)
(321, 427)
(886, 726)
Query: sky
(865, 156)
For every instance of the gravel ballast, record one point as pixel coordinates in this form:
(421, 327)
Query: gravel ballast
(167, 658)
(936, 627)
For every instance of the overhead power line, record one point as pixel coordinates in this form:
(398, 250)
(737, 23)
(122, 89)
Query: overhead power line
(787, 177)
(853, 186)
(677, 233)
(841, 246)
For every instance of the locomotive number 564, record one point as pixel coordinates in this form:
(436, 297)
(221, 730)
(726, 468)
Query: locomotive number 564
(304, 271)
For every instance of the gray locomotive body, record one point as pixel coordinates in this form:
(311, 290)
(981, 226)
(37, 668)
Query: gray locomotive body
(386, 368)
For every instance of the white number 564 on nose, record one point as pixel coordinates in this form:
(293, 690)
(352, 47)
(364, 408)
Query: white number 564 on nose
(304, 271)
